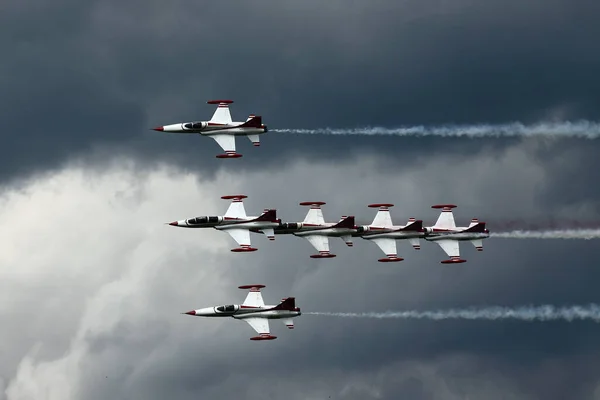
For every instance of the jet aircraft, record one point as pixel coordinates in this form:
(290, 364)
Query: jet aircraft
(236, 223)
(384, 233)
(254, 311)
(447, 234)
(317, 231)
(222, 129)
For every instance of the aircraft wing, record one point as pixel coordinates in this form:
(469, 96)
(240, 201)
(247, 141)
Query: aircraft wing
(222, 114)
(226, 141)
(315, 214)
(236, 208)
(319, 242)
(260, 325)
(450, 247)
(387, 245)
(254, 298)
(241, 236)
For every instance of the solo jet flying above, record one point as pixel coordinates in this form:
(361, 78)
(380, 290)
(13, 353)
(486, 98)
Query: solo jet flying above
(384, 234)
(447, 234)
(254, 311)
(222, 129)
(236, 223)
(317, 231)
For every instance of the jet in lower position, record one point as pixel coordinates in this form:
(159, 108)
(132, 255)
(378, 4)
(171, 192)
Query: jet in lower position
(384, 233)
(254, 311)
(317, 231)
(236, 223)
(221, 128)
(448, 235)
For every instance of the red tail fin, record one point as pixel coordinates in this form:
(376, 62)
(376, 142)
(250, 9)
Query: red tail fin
(478, 228)
(268, 215)
(416, 226)
(255, 122)
(346, 222)
(288, 304)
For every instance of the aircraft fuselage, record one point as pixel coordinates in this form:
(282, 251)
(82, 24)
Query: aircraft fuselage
(211, 128)
(455, 234)
(241, 311)
(221, 223)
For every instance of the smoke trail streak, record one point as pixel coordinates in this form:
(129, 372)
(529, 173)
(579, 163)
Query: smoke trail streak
(578, 129)
(585, 234)
(590, 312)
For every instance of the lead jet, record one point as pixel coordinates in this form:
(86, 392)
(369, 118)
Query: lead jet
(448, 235)
(317, 231)
(236, 223)
(254, 311)
(384, 233)
(221, 128)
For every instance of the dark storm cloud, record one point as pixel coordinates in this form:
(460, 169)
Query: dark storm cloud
(87, 79)
(81, 74)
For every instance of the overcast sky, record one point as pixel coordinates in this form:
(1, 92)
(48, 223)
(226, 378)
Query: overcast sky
(92, 283)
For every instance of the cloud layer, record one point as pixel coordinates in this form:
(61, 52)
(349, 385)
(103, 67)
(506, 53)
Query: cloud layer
(93, 283)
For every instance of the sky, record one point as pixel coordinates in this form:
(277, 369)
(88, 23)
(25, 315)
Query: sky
(93, 283)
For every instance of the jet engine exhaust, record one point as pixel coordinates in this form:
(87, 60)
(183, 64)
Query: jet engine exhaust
(542, 313)
(577, 129)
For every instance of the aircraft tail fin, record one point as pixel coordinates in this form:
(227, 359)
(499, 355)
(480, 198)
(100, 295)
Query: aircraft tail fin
(479, 227)
(345, 222)
(252, 122)
(287, 304)
(413, 225)
(268, 215)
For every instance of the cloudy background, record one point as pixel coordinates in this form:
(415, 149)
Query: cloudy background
(92, 282)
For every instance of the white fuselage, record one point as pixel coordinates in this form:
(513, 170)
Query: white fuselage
(434, 234)
(224, 223)
(240, 312)
(303, 229)
(394, 232)
(211, 128)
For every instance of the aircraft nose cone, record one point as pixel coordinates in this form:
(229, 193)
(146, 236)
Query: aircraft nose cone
(158, 128)
(193, 312)
(174, 223)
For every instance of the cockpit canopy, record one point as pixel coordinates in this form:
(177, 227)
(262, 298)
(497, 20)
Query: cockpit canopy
(202, 220)
(195, 125)
(228, 308)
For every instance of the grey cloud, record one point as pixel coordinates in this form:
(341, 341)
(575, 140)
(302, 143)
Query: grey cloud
(125, 279)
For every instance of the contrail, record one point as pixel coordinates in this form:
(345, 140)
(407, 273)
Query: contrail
(577, 129)
(585, 234)
(590, 312)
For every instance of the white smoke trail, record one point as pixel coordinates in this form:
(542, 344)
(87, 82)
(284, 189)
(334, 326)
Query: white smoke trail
(578, 129)
(590, 312)
(585, 234)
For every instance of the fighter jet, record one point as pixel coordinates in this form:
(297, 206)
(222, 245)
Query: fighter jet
(236, 223)
(317, 231)
(447, 234)
(384, 234)
(255, 312)
(222, 129)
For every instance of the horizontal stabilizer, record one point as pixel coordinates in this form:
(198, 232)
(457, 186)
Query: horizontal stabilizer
(254, 139)
(478, 243)
(415, 243)
(289, 323)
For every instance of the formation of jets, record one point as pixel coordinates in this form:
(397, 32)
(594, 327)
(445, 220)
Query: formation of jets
(313, 228)
(381, 231)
